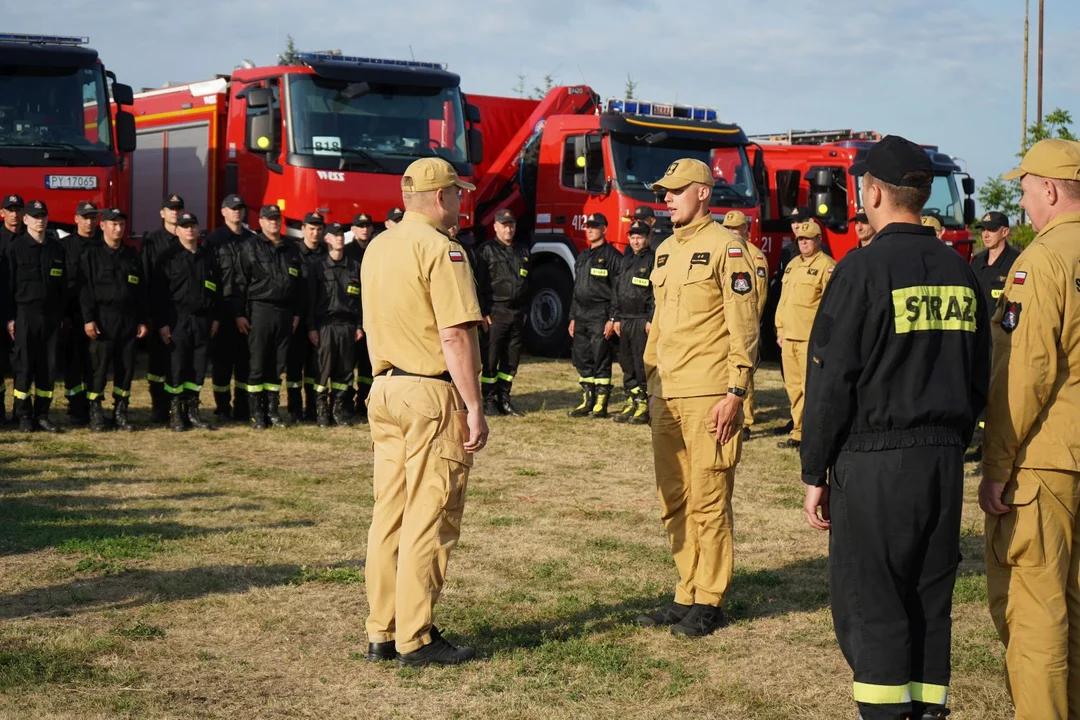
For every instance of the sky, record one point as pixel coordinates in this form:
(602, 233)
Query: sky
(944, 72)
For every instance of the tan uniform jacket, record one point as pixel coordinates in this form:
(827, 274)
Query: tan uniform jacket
(761, 276)
(1033, 411)
(415, 282)
(804, 284)
(704, 333)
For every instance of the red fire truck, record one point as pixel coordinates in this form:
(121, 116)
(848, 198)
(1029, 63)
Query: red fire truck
(332, 134)
(812, 169)
(62, 136)
(573, 156)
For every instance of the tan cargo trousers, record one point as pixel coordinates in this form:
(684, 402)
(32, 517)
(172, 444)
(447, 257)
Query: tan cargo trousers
(793, 356)
(421, 472)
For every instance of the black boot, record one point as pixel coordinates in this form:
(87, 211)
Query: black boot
(491, 402)
(24, 412)
(120, 415)
(295, 398)
(191, 412)
(600, 407)
(241, 406)
(3, 409)
(257, 404)
(360, 400)
(339, 410)
(322, 409)
(78, 410)
(273, 403)
(222, 411)
(97, 416)
(437, 652)
(41, 415)
(505, 406)
(309, 403)
(702, 620)
(588, 399)
(670, 614)
(176, 414)
(159, 404)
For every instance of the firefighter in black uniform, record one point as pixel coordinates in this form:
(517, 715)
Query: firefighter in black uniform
(267, 299)
(363, 230)
(592, 319)
(633, 319)
(187, 307)
(394, 217)
(153, 244)
(993, 264)
(898, 371)
(506, 268)
(334, 322)
(77, 367)
(300, 371)
(35, 302)
(114, 308)
(229, 353)
(11, 212)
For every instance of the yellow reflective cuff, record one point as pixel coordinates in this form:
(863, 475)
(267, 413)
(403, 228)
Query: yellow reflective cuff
(211, 286)
(155, 378)
(221, 388)
(929, 694)
(43, 393)
(643, 282)
(133, 279)
(321, 388)
(56, 272)
(253, 388)
(271, 388)
(174, 390)
(20, 395)
(91, 396)
(365, 380)
(120, 393)
(75, 390)
(881, 694)
(192, 387)
(507, 378)
(352, 290)
(598, 272)
(487, 380)
(338, 386)
(602, 381)
(309, 381)
(934, 307)
(587, 381)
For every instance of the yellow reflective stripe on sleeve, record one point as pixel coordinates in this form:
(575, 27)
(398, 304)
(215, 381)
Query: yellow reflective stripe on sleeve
(485, 380)
(934, 307)
(155, 378)
(643, 282)
(338, 386)
(174, 390)
(20, 395)
(75, 390)
(121, 393)
(598, 272)
(43, 393)
(602, 381)
(366, 380)
(192, 387)
(929, 694)
(507, 378)
(881, 694)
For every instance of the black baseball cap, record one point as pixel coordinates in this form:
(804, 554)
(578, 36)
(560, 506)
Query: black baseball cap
(639, 228)
(13, 202)
(270, 212)
(86, 209)
(801, 214)
(596, 220)
(173, 202)
(335, 229)
(362, 220)
(113, 214)
(37, 209)
(233, 202)
(314, 218)
(993, 220)
(187, 219)
(641, 212)
(859, 217)
(506, 215)
(395, 214)
(893, 160)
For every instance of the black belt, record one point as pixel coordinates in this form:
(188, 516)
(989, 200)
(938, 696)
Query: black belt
(392, 372)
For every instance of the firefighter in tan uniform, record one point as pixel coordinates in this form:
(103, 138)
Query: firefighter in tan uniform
(805, 279)
(739, 225)
(698, 360)
(1031, 462)
(420, 316)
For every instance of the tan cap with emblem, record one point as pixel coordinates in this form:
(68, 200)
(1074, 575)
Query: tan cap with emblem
(808, 230)
(931, 222)
(683, 172)
(1059, 159)
(429, 174)
(734, 219)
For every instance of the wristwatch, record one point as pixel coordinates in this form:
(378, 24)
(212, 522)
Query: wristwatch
(737, 392)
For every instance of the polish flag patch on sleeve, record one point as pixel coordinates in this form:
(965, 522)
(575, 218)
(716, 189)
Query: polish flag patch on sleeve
(457, 256)
(1020, 277)
(734, 252)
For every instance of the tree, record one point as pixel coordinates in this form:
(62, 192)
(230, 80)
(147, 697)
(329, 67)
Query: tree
(519, 87)
(1054, 125)
(631, 87)
(288, 56)
(996, 194)
(538, 92)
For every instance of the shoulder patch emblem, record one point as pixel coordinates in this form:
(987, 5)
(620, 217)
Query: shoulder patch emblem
(701, 258)
(812, 271)
(740, 283)
(1010, 318)
(1020, 277)
(761, 272)
(457, 256)
(829, 271)
(661, 260)
(734, 252)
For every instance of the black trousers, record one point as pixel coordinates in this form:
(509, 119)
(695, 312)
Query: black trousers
(300, 367)
(632, 354)
(37, 355)
(157, 360)
(502, 351)
(591, 353)
(6, 368)
(188, 353)
(77, 366)
(229, 358)
(113, 350)
(893, 553)
(268, 345)
(336, 357)
(363, 372)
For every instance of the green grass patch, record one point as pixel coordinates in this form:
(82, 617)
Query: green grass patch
(505, 521)
(141, 631)
(133, 547)
(23, 666)
(970, 588)
(100, 567)
(328, 575)
(528, 472)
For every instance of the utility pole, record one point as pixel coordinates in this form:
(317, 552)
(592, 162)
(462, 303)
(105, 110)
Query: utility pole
(1027, 52)
(1039, 102)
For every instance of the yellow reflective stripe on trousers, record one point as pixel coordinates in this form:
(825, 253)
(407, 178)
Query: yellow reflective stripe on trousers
(929, 694)
(267, 387)
(485, 380)
(221, 388)
(75, 390)
(91, 396)
(293, 385)
(321, 388)
(505, 377)
(43, 393)
(174, 390)
(338, 386)
(365, 380)
(602, 381)
(881, 694)
(192, 387)
(120, 393)
(253, 388)
(309, 381)
(20, 395)
(587, 381)
(155, 378)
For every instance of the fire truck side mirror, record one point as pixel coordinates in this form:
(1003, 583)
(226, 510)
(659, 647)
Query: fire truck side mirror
(262, 133)
(476, 146)
(123, 94)
(969, 185)
(260, 97)
(823, 178)
(823, 206)
(969, 210)
(472, 113)
(125, 131)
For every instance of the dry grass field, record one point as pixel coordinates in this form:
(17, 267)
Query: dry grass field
(220, 575)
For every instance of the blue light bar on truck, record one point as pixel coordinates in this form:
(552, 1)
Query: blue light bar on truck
(43, 39)
(305, 57)
(651, 109)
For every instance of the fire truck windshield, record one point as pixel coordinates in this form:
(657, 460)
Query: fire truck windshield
(337, 119)
(64, 110)
(638, 165)
(944, 201)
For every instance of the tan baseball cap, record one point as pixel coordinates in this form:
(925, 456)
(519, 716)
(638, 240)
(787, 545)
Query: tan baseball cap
(808, 230)
(430, 173)
(734, 219)
(1059, 159)
(683, 172)
(931, 222)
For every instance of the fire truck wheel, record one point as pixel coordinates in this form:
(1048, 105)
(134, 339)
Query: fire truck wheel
(549, 311)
